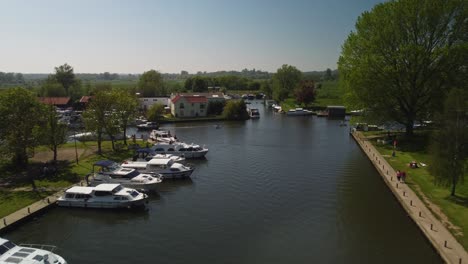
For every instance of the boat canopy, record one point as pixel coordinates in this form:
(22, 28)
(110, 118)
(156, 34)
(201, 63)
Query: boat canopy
(106, 187)
(144, 150)
(80, 190)
(104, 163)
(159, 161)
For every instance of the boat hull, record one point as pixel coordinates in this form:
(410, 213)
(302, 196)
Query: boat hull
(101, 204)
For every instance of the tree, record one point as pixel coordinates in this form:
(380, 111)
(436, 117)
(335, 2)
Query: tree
(449, 146)
(53, 132)
(65, 76)
(126, 106)
(101, 118)
(235, 110)
(215, 107)
(52, 88)
(403, 57)
(199, 84)
(285, 80)
(151, 84)
(267, 89)
(155, 112)
(305, 93)
(328, 75)
(21, 116)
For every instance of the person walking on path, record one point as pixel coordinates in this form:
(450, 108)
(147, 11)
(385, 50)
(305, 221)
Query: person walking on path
(398, 175)
(403, 176)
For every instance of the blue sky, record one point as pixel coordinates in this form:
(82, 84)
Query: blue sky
(173, 35)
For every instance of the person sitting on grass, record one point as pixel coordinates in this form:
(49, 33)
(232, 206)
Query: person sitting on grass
(413, 164)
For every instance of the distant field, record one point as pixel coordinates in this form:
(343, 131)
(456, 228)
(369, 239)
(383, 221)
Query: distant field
(329, 94)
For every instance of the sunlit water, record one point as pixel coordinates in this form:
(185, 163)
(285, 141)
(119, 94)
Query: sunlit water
(275, 190)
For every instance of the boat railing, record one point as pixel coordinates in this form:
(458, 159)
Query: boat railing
(50, 248)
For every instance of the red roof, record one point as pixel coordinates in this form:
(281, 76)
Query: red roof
(55, 100)
(190, 98)
(85, 99)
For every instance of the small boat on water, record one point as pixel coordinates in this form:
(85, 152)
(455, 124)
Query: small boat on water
(165, 167)
(322, 113)
(190, 151)
(106, 195)
(28, 253)
(162, 136)
(106, 171)
(276, 107)
(299, 112)
(148, 126)
(254, 113)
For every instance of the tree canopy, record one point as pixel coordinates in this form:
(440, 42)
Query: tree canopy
(305, 93)
(235, 110)
(285, 81)
(151, 84)
(404, 56)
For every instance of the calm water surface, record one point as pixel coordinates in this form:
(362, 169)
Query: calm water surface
(275, 190)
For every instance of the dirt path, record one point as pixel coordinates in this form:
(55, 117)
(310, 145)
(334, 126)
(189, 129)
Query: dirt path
(63, 154)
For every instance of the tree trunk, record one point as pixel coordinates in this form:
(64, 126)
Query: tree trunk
(125, 134)
(99, 143)
(409, 129)
(55, 153)
(113, 141)
(454, 184)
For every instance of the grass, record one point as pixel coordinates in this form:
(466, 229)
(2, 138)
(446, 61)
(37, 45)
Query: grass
(420, 180)
(13, 201)
(329, 94)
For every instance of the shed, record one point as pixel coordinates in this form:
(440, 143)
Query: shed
(336, 111)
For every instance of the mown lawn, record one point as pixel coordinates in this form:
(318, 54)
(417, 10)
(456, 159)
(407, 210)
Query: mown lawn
(13, 201)
(455, 208)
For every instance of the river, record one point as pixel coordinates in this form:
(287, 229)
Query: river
(275, 190)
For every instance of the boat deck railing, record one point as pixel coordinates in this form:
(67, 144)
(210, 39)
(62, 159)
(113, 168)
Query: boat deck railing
(50, 248)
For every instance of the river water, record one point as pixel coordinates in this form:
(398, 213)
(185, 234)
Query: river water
(275, 190)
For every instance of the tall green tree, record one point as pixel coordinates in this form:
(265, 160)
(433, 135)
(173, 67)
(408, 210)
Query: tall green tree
(54, 133)
(449, 146)
(21, 116)
(403, 57)
(235, 110)
(151, 84)
(285, 81)
(52, 88)
(155, 112)
(199, 84)
(267, 88)
(65, 76)
(126, 108)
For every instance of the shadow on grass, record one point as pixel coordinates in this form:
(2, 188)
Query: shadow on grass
(462, 201)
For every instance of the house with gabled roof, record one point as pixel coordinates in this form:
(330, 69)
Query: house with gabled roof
(188, 105)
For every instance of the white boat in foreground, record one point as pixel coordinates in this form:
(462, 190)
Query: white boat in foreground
(28, 253)
(299, 112)
(106, 171)
(105, 195)
(166, 167)
(189, 151)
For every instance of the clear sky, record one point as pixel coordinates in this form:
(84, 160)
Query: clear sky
(173, 35)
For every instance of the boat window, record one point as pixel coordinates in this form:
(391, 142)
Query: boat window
(134, 193)
(124, 198)
(102, 193)
(38, 258)
(174, 169)
(6, 246)
(170, 149)
(159, 149)
(182, 149)
(117, 198)
(132, 175)
(117, 189)
(69, 195)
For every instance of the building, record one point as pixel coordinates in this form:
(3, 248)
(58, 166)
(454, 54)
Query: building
(211, 97)
(189, 105)
(335, 111)
(147, 102)
(60, 102)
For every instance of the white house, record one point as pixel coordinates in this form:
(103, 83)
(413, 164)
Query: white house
(147, 102)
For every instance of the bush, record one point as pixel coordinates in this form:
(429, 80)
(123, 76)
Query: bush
(235, 110)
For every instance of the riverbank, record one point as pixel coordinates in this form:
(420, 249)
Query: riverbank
(442, 240)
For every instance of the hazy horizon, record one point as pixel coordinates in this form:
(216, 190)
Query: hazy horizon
(132, 37)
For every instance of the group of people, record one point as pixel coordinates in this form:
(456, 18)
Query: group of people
(401, 176)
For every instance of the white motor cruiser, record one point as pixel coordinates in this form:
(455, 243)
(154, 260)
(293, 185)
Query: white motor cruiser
(166, 167)
(189, 151)
(162, 136)
(106, 195)
(28, 253)
(146, 154)
(107, 171)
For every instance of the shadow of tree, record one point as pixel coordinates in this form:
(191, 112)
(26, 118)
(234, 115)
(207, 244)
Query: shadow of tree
(463, 201)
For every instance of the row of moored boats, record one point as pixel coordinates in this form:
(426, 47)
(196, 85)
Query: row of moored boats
(126, 184)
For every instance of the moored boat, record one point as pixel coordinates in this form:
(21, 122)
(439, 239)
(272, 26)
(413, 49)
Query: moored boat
(106, 195)
(162, 136)
(148, 125)
(166, 167)
(299, 112)
(106, 171)
(254, 113)
(190, 151)
(28, 253)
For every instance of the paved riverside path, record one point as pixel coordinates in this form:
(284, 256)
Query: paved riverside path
(443, 241)
(31, 209)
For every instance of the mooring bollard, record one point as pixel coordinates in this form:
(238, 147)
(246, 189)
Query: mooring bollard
(404, 193)
(420, 215)
(29, 210)
(431, 226)
(48, 201)
(397, 185)
(387, 172)
(4, 221)
(411, 202)
(445, 243)
(459, 261)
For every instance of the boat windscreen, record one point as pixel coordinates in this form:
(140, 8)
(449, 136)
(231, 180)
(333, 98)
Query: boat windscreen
(132, 174)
